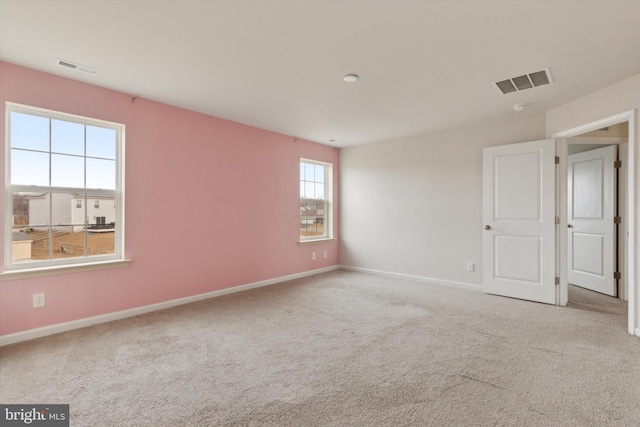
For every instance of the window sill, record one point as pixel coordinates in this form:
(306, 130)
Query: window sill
(311, 242)
(61, 269)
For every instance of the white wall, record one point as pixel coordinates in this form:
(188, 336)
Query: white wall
(414, 206)
(618, 98)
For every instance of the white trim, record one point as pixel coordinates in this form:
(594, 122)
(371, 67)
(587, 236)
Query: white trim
(470, 286)
(328, 200)
(45, 112)
(638, 332)
(42, 266)
(61, 269)
(562, 152)
(632, 205)
(599, 140)
(109, 317)
(323, 240)
(598, 124)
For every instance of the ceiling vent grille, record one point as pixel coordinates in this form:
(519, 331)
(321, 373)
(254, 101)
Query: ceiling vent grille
(73, 66)
(526, 81)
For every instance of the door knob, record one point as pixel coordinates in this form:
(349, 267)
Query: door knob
(569, 225)
(487, 227)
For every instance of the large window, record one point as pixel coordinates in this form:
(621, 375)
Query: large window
(315, 200)
(64, 182)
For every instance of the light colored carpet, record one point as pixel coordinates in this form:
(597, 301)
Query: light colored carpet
(342, 349)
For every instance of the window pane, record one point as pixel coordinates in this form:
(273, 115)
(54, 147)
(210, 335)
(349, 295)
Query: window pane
(101, 243)
(67, 226)
(29, 168)
(312, 222)
(67, 171)
(30, 132)
(102, 224)
(319, 173)
(101, 142)
(30, 210)
(67, 137)
(30, 227)
(101, 212)
(68, 238)
(64, 215)
(319, 190)
(309, 190)
(101, 174)
(308, 171)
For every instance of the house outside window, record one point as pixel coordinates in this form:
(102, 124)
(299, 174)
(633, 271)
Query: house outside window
(54, 161)
(315, 200)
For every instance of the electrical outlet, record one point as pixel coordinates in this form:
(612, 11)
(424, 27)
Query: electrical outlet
(313, 255)
(38, 300)
(325, 254)
(471, 267)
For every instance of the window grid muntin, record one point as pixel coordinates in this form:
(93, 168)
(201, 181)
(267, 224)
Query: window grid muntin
(116, 194)
(325, 200)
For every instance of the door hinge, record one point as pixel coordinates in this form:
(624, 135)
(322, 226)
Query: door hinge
(557, 220)
(557, 280)
(557, 160)
(617, 275)
(617, 164)
(617, 220)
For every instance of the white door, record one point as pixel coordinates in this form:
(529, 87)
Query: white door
(519, 241)
(591, 210)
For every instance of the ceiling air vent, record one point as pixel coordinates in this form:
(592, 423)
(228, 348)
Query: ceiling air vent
(77, 67)
(526, 81)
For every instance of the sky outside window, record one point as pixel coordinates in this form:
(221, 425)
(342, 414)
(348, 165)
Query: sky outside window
(312, 181)
(52, 152)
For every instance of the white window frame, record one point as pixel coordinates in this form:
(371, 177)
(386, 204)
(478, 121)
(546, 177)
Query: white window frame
(19, 270)
(328, 214)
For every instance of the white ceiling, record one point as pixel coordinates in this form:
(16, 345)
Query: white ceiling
(278, 65)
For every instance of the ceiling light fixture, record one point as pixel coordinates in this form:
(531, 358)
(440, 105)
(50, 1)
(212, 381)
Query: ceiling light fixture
(350, 78)
(519, 107)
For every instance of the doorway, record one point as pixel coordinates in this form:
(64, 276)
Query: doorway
(629, 210)
(596, 233)
(525, 216)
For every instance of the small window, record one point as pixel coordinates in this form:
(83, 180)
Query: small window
(54, 161)
(315, 200)
(96, 204)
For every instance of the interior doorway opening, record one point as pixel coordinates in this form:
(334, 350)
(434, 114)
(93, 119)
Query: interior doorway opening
(624, 122)
(596, 204)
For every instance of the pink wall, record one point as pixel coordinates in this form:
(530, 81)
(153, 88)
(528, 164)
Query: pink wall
(210, 204)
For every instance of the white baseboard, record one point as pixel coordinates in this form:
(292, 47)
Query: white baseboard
(638, 332)
(82, 323)
(470, 286)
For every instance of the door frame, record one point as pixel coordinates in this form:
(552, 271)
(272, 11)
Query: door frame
(631, 210)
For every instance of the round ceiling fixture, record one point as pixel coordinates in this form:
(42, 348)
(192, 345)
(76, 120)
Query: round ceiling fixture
(350, 78)
(519, 107)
